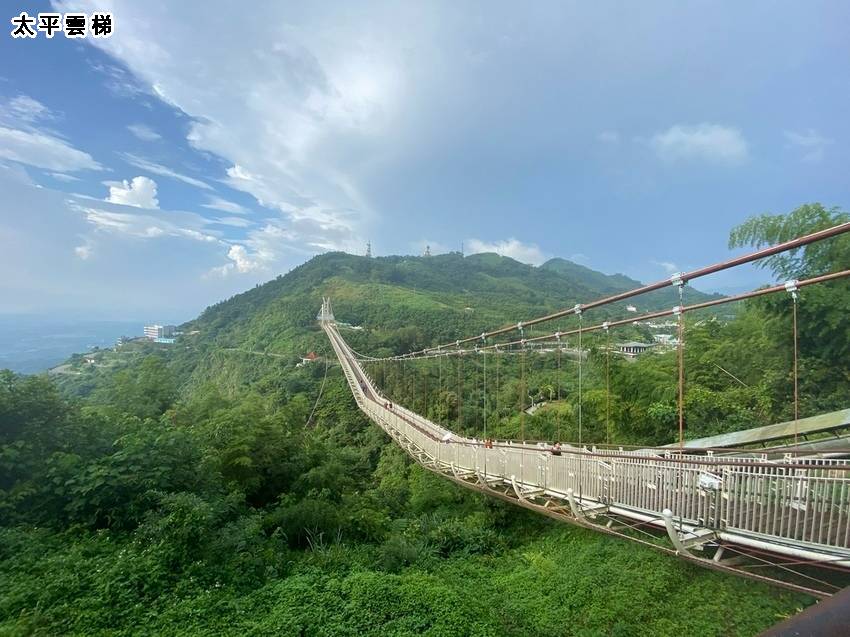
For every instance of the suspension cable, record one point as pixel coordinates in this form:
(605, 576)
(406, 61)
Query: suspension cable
(607, 384)
(791, 286)
(498, 386)
(522, 392)
(580, 357)
(558, 418)
(680, 313)
(440, 388)
(319, 396)
(460, 393)
(425, 393)
(685, 277)
(484, 353)
(651, 315)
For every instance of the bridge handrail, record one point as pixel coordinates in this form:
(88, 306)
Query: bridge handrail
(677, 279)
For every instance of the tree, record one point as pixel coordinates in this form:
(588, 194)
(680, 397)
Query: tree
(145, 391)
(811, 260)
(823, 328)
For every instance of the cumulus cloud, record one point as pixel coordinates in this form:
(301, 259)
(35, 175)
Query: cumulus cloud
(712, 142)
(139, 192)
(217, 203)
(165, 171)
(144, 132)
(240, 261)
(43, 151)
(513, 248)
(810, 143)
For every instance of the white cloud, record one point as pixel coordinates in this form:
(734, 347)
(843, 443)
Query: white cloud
(513, 248)
(43, 151)
(217, 203)
(669, 266)
(24, 139)
(159, 169)
(64, 177)
(139, 192)
(279, 241)
(236, 222)
(239, 255)
(294, 114)
(609, 137)
(143, 132)
(120, 82)
(711, 142)
(25, 108)
(810, 143)
(148, 224)
(144, 260)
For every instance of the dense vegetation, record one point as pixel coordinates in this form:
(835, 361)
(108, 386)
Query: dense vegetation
(188, 490)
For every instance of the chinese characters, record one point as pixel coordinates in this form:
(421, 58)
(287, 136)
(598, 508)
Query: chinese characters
(73, 25)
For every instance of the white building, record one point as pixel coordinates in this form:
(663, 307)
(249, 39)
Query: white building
(633, 348)
(159, 331)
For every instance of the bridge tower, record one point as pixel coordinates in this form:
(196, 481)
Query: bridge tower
(325, 314)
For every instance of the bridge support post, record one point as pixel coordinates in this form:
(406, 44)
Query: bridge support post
(581, 512)
(667, 516)
(699, 537)
(578, 514)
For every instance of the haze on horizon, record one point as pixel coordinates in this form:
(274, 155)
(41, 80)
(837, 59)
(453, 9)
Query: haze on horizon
(198, 152)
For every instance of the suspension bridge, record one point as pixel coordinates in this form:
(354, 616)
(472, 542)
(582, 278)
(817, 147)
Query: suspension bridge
(779, 513)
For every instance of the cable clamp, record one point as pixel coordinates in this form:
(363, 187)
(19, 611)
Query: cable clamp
(791, 286)
(677, 279)
(519, 326)
(606, 325)
(457, 343)
(677, 310)
(483, 337)
(557, 336)
(577, 309)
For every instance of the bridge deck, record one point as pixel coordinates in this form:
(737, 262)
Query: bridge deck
(795, 507)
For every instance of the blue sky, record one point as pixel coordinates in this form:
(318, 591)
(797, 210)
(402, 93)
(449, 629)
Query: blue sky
(200, 150)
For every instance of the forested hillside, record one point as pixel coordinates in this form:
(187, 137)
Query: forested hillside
(210, 488)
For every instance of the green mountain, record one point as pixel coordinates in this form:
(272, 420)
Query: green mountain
(401, 302)
(440, 297)
(592, 278)
(609, 284)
